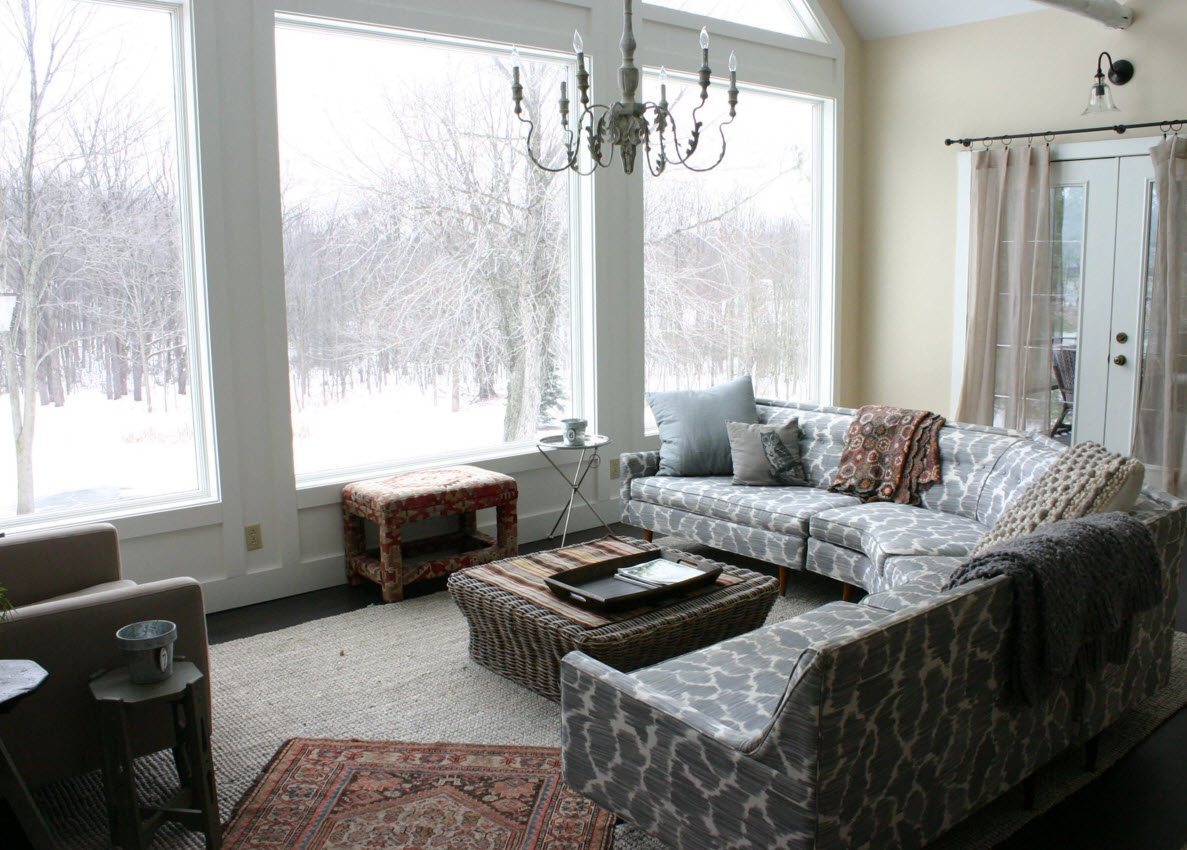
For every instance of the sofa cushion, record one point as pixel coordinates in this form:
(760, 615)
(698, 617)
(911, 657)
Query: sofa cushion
(692, 433)
(847, 565)
(921, 572)
(740, 682)
(882, 530)
(782, 509)
(1017, 468)
(967, 458)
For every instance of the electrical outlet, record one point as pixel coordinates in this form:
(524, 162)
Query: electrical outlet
(255, 536)
(615, 469)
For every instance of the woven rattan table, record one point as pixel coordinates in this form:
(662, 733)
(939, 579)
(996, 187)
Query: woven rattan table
(524, 642)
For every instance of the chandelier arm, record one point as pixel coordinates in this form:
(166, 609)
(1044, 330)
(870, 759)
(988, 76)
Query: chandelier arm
(720, 156)
(660, 121)
(550, 169)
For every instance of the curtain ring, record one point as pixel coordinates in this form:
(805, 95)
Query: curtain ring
(1049, 137)
(1176, 126)
(986, 144)
(1030, 141)
(1006, 141)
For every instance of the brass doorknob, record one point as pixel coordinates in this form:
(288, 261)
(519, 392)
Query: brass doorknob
(1120, 360)
(1123, 337)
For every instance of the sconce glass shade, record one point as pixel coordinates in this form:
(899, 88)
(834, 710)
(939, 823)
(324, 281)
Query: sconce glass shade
(7, 307)
(1101, 100)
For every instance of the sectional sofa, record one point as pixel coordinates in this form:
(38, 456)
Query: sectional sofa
(876, 724)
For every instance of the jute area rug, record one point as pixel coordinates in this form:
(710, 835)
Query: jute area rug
(401, 672)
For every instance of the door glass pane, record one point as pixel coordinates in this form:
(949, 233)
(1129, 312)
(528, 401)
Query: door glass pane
(730, 283)
(427, 259)
(1067, 275)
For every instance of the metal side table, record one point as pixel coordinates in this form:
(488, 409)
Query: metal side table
(18, 679)
(589, 459)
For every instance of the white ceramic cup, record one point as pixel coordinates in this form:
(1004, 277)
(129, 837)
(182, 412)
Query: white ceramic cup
(574, 433)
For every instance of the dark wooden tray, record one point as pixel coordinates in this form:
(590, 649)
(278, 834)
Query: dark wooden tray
(596, 586)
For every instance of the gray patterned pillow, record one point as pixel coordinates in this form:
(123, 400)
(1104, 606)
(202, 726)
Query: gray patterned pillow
(767, 455)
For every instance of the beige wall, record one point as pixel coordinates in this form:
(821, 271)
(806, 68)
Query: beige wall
(849, 236)
(1016, 74)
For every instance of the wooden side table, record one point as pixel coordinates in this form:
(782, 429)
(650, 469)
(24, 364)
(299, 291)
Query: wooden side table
(196, 805)
(18, 679)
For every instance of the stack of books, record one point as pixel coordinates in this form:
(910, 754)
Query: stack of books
(658, 573)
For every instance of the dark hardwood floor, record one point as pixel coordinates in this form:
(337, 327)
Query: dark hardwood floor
(1140, 803)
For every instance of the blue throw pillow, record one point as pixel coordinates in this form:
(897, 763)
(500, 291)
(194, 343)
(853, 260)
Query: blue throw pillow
(693, 436)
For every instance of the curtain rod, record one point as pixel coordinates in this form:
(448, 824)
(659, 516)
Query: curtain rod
(1172, 126)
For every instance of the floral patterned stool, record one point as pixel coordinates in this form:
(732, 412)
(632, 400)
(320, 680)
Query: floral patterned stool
(392, 503)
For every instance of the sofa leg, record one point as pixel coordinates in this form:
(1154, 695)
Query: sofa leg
(848, 592)
(648, 535)
(783, 571)
(1029, 786)
(1091, 751)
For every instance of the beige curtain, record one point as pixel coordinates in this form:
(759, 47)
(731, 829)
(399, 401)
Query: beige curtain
(1007, 366)
(1162, 409)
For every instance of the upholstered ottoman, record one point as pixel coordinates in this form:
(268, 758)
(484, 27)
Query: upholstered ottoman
(392, 503)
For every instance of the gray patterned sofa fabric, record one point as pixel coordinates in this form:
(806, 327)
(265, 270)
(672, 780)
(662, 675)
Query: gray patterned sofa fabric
(872, 725)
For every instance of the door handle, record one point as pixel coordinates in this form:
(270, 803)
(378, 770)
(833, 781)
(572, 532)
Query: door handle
(1123, 337)
(1120, 360)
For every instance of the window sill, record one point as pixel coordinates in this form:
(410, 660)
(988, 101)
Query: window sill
(327, 489)
(134, 521)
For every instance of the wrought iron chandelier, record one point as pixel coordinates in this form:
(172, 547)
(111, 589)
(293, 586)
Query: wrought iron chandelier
(628, 124)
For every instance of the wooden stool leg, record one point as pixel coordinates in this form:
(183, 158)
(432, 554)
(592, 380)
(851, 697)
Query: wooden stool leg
(13, 789)
(1029, 786)
(391, 560)
(1091, 751)
(507, 517)
(783, 573)
(197, 743)
(119, 778)
(181, 759)
(848, 592)
(354, 542)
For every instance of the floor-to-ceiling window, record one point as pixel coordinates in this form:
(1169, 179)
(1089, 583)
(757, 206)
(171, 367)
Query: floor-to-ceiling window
(732, 273)
(102, 379)
(429, 265)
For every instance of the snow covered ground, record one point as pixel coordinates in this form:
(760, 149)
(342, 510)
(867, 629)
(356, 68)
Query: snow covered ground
(95, 452)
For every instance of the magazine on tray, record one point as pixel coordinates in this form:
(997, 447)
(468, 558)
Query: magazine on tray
(658, 573)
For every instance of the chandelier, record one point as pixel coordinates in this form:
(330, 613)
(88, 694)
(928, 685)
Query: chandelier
(628, 124)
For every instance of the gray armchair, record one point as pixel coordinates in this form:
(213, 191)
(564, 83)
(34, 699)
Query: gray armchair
(70, 598)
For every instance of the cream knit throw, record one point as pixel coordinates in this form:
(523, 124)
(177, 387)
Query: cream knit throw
(1081, 481)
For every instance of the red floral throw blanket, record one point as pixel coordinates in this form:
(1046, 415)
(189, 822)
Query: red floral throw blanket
(891, 454)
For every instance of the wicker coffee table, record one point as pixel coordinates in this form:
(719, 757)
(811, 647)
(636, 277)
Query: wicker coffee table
(524, 641)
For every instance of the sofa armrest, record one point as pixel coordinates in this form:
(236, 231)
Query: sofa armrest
(582, 677)
(52, 734)
(636, 465)
(674, 773)
(77, 635)
(40, 565)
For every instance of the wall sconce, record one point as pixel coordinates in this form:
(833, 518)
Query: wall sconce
(1120, 73)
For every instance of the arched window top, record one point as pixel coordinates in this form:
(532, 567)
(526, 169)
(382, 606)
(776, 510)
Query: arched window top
(790, 17)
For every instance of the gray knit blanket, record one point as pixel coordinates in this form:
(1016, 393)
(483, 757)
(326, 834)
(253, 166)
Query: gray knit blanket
(1076, 586)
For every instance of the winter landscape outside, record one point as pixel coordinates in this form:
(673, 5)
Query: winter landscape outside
(730, 284)
(97, 397)
(427, 260)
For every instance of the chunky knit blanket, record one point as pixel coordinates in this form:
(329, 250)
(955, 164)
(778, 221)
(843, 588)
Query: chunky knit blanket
(1083, 480)
(891, 454)
(1076, 586)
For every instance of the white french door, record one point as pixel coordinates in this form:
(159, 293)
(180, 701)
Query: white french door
(1103, 210)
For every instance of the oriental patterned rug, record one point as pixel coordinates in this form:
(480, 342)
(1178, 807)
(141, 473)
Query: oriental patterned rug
(344, 795)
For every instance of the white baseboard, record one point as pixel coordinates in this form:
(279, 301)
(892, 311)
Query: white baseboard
(327, 570)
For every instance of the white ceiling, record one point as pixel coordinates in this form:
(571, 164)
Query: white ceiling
(884, 18)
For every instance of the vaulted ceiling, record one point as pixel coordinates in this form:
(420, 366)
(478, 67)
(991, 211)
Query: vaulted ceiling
(883, 18)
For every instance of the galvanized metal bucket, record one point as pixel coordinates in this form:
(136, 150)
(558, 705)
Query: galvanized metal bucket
(148, 650)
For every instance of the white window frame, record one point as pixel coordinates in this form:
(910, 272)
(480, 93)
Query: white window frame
(155, 514)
